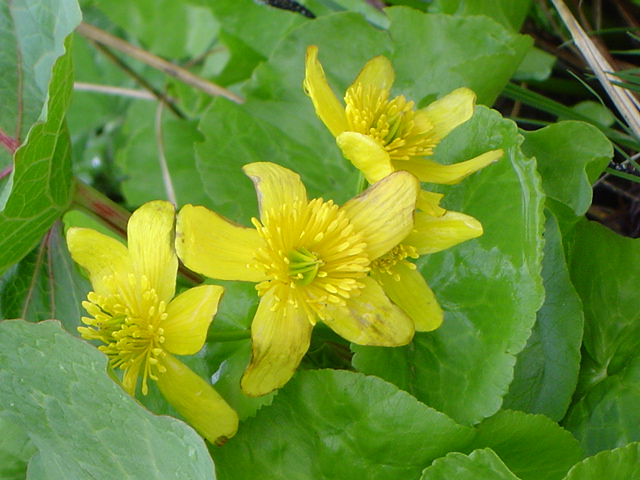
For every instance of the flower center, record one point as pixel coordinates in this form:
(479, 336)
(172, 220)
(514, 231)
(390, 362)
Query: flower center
(398, 254)
(129, 328)
(312, 256)
(303, 266)
(403, 131)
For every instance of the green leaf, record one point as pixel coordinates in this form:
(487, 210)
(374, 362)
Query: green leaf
(234, 138)
(56, 388)
(510, 13)
(277, 123)
(595, 111)
(92, 111)
(536, 65)
(347, 425)
(228, 347)
(188, 35)
(40, 186)
(490, 288)
(606, 413)
(434, 54)
(532, 446)
(261, 27)
(612, 329)
(45, 285)
(31, 39)
(479, 465)
(571, 155)
(619, 464)
(139, 160)
(547, 369)
(15, 451)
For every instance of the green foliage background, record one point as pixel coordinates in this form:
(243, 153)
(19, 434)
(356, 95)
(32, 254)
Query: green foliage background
(536, 365)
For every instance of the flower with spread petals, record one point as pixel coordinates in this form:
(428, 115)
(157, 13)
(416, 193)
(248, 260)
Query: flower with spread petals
(380, 135)
(311, 261)
(133, 312)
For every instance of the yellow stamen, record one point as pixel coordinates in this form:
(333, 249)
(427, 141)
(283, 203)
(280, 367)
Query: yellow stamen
(399, 254)
(131, 335)
(312, 256)
(403, 131)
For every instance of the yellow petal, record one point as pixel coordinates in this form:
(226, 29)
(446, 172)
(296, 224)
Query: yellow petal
(366, 154)
(384, 212)
(210, 244)
(412, 294)
(450, 111)
(188, 318)
(433, 172)
(280, 338)
(371, 319)
(275, 185)
(377, 72)
(325, 102)
(433, 234)
(150, 237)
(197, 401)
(101, 256)
(429, 203)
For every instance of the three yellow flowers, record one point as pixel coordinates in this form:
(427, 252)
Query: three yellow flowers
(347, 266)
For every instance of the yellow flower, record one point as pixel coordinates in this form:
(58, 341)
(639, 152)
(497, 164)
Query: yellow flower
(435, 229)
(380, 135)
(134, 313)
(310, 260)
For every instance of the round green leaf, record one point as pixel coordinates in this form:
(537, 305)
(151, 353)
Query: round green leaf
(571, 155)
(56, 388)
(605, 414)
(532, 446)
(480, 465)
(339, 424)
(619, 464)
(434, 54)
(547, 369)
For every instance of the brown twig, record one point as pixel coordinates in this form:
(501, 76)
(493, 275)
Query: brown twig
(162, 98)
(100, 36)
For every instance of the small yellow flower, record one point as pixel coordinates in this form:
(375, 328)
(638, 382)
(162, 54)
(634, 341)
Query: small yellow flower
(134, 313)
(380, 135)
(310, 260)
(435, 229)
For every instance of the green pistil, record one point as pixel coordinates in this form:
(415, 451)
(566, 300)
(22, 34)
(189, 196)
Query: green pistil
(394, 125)
(303, 266)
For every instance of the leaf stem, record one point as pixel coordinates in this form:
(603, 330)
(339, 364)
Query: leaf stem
(113, 216)
(8, 142)
(97, 205)
(362, 184)
(156, 62)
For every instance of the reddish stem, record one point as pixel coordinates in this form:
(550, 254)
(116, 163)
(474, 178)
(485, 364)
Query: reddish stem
(113, 216)
(8, 142)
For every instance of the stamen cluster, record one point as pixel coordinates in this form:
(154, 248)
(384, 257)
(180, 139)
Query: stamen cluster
(129, 328)
(312, 256)
(398, 254)
(403, 131)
